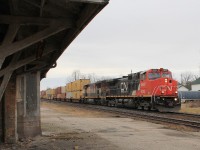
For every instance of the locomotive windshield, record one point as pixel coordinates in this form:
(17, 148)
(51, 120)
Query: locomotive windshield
(166, 74)
(154, 75)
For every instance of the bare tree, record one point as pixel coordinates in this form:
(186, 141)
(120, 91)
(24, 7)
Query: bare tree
(196, 77)
(92, 77)
(76, 75)
(187, 78)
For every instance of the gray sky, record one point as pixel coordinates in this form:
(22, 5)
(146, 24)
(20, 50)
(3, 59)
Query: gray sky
(134, 35)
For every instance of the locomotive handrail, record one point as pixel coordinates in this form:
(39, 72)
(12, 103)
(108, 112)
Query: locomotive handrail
(153, 94)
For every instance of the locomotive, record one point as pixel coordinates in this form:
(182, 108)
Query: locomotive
(152, 89)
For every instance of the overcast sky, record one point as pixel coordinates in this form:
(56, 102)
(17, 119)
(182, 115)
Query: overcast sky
(134, 35)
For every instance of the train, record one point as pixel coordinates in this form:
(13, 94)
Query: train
(153, 89)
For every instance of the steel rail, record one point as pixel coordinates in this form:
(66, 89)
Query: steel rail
(158, 117)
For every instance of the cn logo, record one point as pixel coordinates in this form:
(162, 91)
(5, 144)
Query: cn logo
(124, 87)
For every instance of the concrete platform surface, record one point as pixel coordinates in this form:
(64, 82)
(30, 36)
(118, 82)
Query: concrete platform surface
(67, 128)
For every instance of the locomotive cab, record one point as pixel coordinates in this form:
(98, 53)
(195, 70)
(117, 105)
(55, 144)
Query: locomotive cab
(159, 85)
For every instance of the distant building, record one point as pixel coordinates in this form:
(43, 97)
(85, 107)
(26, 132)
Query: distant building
(196, 85)
(182, 87)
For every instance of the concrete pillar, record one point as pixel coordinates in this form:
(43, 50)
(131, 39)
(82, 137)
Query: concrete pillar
(10, 113)
(1, 121)
(28, 105)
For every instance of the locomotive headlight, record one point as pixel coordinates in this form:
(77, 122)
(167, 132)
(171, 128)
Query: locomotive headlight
(175, 99)
(165, 80)
(176, 92)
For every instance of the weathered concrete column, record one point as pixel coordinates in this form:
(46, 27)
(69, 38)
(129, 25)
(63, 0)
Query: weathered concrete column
(28, 105)
(10, 113)
(1, 121)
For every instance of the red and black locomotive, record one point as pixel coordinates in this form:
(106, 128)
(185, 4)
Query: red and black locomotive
(151, 89)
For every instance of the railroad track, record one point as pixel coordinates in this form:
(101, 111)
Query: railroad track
(185, 114)
(180, 119)
(172, 119)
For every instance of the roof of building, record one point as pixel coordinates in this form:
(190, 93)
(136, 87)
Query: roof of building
(181, 85)
(197, 81)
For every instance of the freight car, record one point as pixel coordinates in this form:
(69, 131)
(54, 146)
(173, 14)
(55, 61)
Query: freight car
(151, 89)
(189, 95)
(74, 90)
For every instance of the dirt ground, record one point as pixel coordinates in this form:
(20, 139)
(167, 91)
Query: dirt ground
(67, 127)
(191, 107)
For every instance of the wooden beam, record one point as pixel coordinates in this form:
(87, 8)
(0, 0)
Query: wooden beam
(90, 1)
(7, 76)
(42, 6)
(11, 34)
(22, 20)
(21, 63)
(4, 83)
(17, 46)
(32, 3)
(12, 31)
(1, 61)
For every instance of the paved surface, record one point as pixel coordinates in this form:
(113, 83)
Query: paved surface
(67, 127)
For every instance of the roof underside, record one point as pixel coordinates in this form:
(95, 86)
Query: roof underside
(33, 34)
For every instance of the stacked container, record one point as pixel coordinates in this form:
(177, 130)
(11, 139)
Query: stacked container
(69, 87)
(43, 94)
(69, 91)
(75, 89)
(52, 93)
(48, 94)
(57, 93)
(63, 93)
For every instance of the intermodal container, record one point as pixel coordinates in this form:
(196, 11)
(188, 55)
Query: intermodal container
(69, 87)
(78, 84)
(58, 90)
(42, 94)
(63, 89)
(63, 96)
(48, 91)
(52, 92)
(76, 96)
(69, 95)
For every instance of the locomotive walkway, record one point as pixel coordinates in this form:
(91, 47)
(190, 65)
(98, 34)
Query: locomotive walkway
(33, 34)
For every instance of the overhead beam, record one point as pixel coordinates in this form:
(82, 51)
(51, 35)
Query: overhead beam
(42, 6)
(7, 76)
(23, 62)
(17, 46)
(11, 34)
(12, 31)
(90, 1)
(4, 83)
(32, 3)
(7, 19)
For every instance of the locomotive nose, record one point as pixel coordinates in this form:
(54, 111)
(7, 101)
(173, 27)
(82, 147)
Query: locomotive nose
(163, 89)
